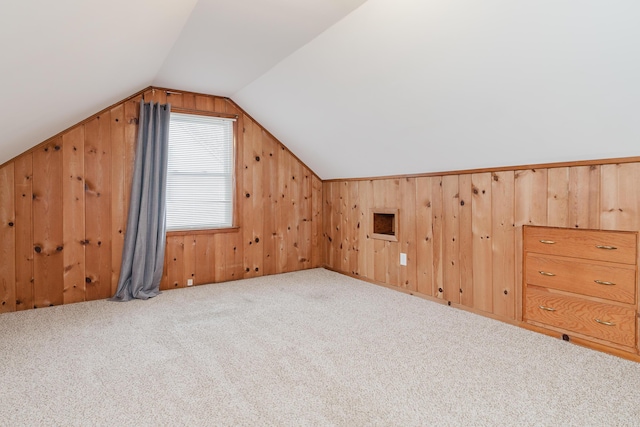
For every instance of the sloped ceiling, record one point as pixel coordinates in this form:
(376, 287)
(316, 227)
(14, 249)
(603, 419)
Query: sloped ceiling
(354, 88)
(414, 86)
(62, 61)
(65, 60)
(226, 45)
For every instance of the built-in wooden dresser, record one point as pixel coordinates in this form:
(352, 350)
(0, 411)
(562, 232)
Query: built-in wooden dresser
(582, 284)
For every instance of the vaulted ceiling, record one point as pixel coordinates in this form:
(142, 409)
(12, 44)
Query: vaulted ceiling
(355, 88)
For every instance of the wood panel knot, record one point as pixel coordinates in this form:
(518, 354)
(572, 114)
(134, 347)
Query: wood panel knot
(38, 249)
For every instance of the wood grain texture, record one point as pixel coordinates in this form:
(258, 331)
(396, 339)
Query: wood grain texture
(205, 261)
(465, 189)
(407, 235)
(436, 225)
(283, 217)
(73, 210)
(530, 209)
(48, 265)
(119, 205)
(98, 234)
(558, 198)
(317, 253)
(424, 236)
(617, 282)
(611, 246)
(503, 243)
(451, 238)
(174, 265)
(620, 208)
(7, 239)
(481, 224)
(252, 214)
(366, 263)
(488, 226)
(577, 315)
(270, 167)
(584, 196)
(354, 236)
(24, 231)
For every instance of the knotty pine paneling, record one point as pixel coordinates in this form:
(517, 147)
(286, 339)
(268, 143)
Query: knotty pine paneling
(463, 232)
(98, 185)
(48, 243)
(68, 200)
(7, 239)
(73, 190)
(24, 231)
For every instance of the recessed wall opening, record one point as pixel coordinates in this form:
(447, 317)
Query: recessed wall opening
(384, 224)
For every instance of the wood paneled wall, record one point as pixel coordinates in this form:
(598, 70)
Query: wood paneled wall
(64, 203)
(462, 233)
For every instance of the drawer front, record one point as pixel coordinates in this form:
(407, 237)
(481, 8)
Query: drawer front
(615, 282)
(599, 320)
(609, 246)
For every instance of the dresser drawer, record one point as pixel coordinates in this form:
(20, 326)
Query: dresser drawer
(616, 282)
(610, 246)
(573, 314)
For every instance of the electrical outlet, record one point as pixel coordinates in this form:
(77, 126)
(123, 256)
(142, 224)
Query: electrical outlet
(403, 259)
(189, 282)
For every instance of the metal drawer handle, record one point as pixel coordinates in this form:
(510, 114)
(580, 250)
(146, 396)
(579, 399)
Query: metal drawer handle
(602, 282)
(602, 322)
(548, 242)
(545, 273)
(542, 307)
(609, 248)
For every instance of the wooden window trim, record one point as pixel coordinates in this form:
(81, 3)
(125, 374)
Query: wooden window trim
(175, 233)
(236, 167)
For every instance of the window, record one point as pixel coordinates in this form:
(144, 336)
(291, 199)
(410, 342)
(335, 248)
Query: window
(200, 184)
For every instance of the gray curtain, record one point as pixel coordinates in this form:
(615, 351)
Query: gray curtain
(144, 242)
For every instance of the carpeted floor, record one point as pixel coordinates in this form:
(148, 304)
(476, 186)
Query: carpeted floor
(306, 348)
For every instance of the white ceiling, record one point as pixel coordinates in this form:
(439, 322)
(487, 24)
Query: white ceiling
(63, 60)
(414, 86)
(225, 45)
(354, 88)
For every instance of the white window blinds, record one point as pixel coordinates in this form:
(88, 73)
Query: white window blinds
(200, 172)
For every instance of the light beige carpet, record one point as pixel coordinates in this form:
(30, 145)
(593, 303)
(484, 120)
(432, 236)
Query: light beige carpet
(306, 348)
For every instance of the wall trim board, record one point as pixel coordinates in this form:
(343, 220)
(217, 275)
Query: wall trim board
(464, 243)
(437, 300)
(581, 342)
(596, 162)
(555, 334)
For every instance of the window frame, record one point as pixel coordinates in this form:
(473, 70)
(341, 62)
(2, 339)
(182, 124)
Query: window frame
(234, 180)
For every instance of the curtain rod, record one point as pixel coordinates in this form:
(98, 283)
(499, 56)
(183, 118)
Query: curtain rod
(168, 92)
